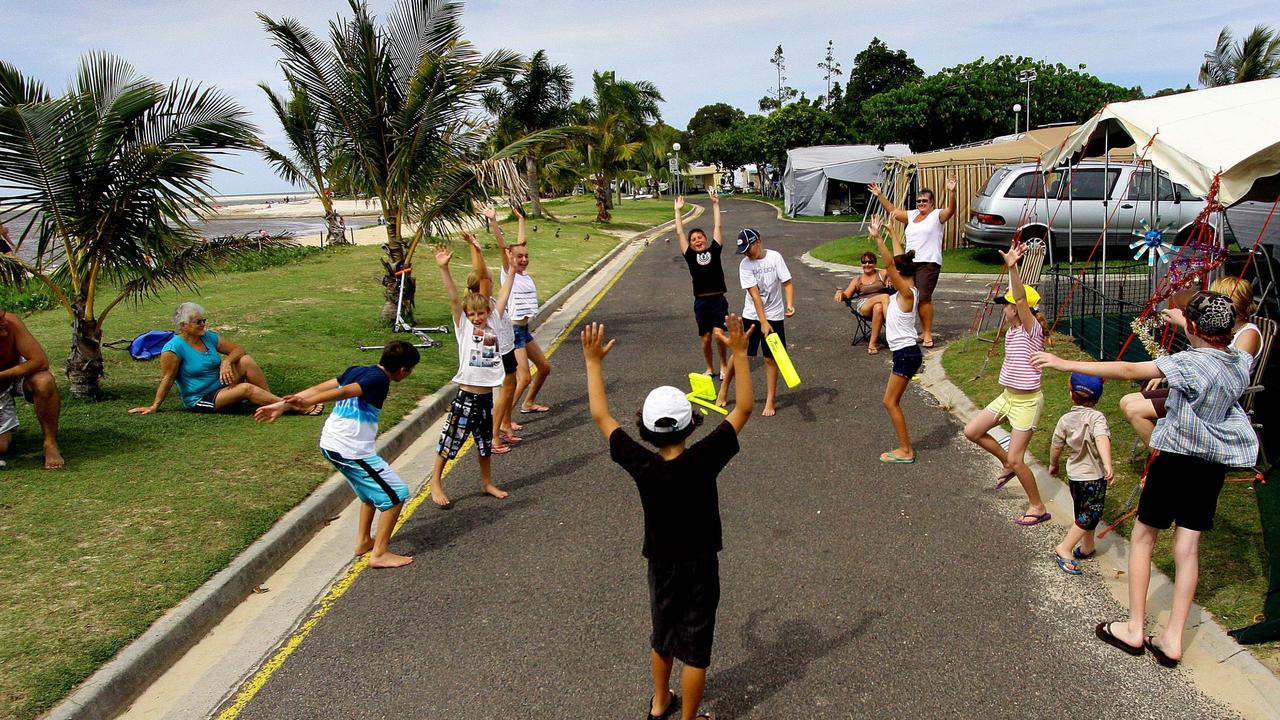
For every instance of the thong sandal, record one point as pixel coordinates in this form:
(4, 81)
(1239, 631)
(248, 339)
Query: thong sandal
(535, 409)
(890, 459)
(1103, 631)
(314, 410)
(672, 704)
(1005, 478)
(1035, 519)
(1158, 654)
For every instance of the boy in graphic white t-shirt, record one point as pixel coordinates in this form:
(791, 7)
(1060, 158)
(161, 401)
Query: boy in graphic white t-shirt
(770, 300)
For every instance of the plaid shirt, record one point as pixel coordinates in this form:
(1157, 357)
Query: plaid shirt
(1204, 418)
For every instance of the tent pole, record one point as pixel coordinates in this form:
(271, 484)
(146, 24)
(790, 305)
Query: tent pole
(1106, 197)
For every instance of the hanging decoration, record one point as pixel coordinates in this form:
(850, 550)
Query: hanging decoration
(1151, 242)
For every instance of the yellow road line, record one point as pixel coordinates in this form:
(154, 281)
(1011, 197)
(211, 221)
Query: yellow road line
(255, 684)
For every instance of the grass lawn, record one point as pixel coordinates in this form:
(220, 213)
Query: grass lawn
(777, 202)
(149, 507)
(848, 251)
(1232, 570)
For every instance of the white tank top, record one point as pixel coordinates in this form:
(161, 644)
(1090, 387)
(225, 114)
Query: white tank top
(925, 237)
(1243, 329)
(900, 326)
(523, 303)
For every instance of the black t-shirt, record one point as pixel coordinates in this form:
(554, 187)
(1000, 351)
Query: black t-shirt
(681, 506)
(708, 276)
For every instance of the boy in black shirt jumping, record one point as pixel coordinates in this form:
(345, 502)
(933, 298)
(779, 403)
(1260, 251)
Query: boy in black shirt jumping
(681, 513)
(703, 258)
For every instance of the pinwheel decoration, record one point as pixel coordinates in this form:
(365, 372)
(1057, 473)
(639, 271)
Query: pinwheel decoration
(1151, 242)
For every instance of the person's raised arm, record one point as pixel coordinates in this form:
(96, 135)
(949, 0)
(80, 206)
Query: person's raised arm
(491, 213)
(443, 255)
(504, 293)
(889, 207)
(680, 235)
(744, 394)
(478, 265)
(594, 349)
(168, 372)
(521, 223)
(717, 229)
(27, 347)
(899, 283)
(947, 212)
(1025, 316)
(1113, 370)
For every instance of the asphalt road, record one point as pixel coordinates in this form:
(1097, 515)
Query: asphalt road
(849, 588)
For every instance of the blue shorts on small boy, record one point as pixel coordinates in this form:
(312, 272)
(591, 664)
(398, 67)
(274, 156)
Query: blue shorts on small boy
(372, 479)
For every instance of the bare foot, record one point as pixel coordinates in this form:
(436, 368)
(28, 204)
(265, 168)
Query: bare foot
(710, 371)
(769, 411)
(389, 560)
(365, 546)
(494, 491)
(722, 403)
(513, 427)
(53, 458)
(441, 500)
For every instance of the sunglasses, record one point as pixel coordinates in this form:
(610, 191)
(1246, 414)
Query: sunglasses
(201, 321)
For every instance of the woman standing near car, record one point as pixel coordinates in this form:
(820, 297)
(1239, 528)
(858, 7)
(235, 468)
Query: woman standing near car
(924, 229)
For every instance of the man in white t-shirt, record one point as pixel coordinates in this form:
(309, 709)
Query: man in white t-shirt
(770, 300)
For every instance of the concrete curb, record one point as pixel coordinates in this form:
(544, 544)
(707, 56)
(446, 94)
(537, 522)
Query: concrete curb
(116, 684)
(1221, 667)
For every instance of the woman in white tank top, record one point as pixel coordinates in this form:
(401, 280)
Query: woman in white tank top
(900, 332)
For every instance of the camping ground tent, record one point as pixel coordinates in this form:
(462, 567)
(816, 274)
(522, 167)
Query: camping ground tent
(809, 169)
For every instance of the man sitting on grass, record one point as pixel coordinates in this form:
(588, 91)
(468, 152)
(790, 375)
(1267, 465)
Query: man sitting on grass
(24, 370)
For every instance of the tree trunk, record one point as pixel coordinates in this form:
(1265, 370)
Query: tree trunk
(391, 278)
(531, 177)
(84, 362)
(602, 200)
(337, 228)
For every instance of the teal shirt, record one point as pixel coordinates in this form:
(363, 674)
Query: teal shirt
(197, 371)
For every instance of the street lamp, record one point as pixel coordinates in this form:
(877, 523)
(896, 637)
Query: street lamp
(1028, 76)
(1017, 108)
(675, 171)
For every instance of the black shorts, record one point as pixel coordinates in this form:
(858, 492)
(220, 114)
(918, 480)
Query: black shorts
(926, 279)
(756, 344)
(710, 312)
(1181, 489)
(1159, 400)
(509, 362)
(907, 361)
(469, 414)
(1089, 498)
(683, 597)
(208, 404)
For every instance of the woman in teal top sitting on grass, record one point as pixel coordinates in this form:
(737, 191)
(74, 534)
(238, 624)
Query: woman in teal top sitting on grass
(213, 373)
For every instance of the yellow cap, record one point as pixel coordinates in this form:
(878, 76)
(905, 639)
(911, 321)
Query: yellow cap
(1033, 297)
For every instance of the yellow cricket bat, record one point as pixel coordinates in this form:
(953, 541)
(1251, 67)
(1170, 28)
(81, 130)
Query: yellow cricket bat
(704, 393)
(781, 357)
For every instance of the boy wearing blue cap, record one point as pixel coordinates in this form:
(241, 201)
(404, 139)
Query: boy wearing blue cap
(1087, 437)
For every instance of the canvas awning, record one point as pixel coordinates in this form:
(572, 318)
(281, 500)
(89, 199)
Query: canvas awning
(1232, 131)
(804, 182)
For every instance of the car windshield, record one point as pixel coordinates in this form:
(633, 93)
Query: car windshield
(994, 182)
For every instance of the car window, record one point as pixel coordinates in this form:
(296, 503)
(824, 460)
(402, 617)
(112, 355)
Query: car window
(1140, 187)
(1086, 184)
(1185, 193)
(1021, 187)
(994, 182)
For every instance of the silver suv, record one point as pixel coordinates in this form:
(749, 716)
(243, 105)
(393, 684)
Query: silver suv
(1069, 206)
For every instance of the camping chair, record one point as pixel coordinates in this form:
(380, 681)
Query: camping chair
(863, 329)
(1267, 327)
(1031, 268)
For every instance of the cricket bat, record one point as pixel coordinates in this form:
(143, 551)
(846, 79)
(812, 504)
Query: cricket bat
(781, 357)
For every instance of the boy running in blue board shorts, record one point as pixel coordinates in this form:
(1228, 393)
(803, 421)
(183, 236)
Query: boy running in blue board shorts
(347, 441)
(682, 536)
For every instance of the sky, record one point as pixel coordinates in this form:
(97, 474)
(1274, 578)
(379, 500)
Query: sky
(697, 52)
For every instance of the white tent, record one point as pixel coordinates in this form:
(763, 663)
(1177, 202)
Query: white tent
(1231, 131)
(804, 182)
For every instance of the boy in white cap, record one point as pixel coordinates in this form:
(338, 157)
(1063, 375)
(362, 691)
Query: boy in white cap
(771, 300)
(677, 488)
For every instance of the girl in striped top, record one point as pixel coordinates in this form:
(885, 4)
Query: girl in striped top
(1021, 402)
(524, 306)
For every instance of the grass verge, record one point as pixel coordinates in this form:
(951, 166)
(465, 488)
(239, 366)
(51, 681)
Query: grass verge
(150, 507)
(848, 251)
(1233, 576)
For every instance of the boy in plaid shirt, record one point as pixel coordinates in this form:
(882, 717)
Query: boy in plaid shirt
(1203, 435)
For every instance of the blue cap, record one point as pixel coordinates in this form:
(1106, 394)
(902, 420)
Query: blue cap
(1088, 387)
(746, 237)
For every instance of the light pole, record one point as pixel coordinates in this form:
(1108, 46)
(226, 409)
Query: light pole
(1017, 108)
(1028, 76)
(678, 179)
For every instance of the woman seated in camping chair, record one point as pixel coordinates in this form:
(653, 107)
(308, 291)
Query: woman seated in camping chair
(213, 373)
(871, 289)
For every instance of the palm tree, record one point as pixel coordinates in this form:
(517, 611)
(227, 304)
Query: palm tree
(614, 122)
(1256, 58)
(537, 99)
(114, 173)
(311, 161)
(400, 101)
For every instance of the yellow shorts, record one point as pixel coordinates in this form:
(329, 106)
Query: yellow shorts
(1022, 411)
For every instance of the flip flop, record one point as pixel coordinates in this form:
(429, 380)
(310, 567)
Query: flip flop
(1005, 478)
(535, 409)
(891, 459)
(314, 410)
(515, 426)
(499, 449)
(1103, 631)
(672, 704)
(510, 439)
(1035, 519)
(1063, 563)
(1075, 553)
(928, 345)
(1158, 654)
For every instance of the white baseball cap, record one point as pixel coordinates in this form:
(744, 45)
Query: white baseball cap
(666, 410)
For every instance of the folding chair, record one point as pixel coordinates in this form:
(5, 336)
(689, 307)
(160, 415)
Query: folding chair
(862, 331)
(1030, 268)
(1267, 327)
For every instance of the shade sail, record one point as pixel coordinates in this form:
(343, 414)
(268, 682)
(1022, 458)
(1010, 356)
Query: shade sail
(1232, 130)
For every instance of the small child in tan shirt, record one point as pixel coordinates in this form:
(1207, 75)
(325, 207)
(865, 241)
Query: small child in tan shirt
(1083, 430)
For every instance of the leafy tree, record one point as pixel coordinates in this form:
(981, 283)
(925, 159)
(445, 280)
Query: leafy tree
(538, 99)
(878, 69)
(614, 122)
(708, 119)
(400, 100)
(310, 155)
(972, 102)
(115, 172)
(1257, 57)
(1173, 91)
(781, 93)
(830, 69)
(800, 124)
(742, 143)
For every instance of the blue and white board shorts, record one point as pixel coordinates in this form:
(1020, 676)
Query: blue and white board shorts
(371, 478)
